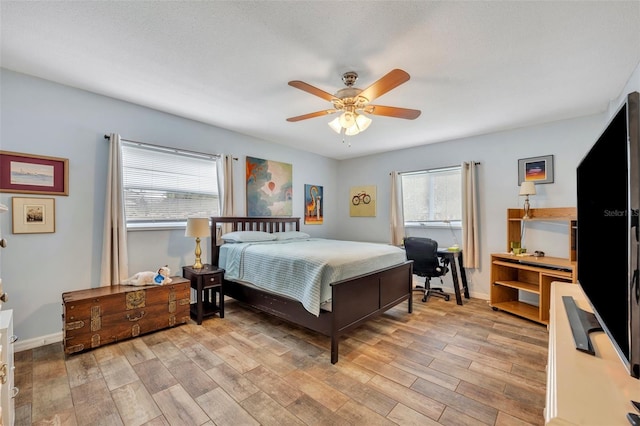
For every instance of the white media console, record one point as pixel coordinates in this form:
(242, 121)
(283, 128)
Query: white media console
(583, 389)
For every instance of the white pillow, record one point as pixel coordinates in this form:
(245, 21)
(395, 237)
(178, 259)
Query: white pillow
(247, 237)
(291, 235)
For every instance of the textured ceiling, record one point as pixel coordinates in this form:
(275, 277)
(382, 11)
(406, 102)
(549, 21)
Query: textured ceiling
(476, 67)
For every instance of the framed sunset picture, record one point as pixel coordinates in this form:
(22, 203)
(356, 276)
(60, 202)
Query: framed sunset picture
(536, 169)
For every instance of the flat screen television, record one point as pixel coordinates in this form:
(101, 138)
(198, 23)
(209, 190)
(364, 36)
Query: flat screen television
(608, 195)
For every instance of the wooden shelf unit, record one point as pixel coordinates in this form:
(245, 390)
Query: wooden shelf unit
(511, 274)
(555, 214)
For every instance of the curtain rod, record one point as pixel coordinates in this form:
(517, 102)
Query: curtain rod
(164, 147)
(477, 163)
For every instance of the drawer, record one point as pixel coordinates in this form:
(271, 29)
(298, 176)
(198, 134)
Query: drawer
(100, 320)
(122, 326)
(211, 280)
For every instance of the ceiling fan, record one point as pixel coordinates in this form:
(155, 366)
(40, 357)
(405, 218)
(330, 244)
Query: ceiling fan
(354, 103)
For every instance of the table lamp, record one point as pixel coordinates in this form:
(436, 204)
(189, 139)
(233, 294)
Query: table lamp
(526, 189)
(197, 227)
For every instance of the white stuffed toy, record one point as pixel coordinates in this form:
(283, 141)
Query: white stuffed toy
(150, 278)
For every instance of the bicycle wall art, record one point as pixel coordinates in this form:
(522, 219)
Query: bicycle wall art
(362, 201)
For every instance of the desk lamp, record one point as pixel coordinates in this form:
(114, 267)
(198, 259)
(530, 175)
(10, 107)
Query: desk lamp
(526, 189)
(197, 227)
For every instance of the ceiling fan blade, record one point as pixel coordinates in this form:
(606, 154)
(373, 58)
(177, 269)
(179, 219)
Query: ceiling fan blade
(387, 111)
(312, 115)
(390, 81)
(311, 89)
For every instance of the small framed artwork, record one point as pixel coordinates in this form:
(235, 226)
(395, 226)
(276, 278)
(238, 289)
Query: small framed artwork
(313, 211)
(33, 215)
(536, 169)
(33, 174)
(362, 201)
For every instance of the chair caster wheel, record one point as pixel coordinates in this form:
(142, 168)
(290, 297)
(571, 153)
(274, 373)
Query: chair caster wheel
(424, 299)
(494, 308)
(446, 298)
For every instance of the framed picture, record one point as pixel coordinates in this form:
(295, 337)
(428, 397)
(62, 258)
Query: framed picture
(33, 215)
(536, 169)
(313, 211)
(33, 174)
(362, 201)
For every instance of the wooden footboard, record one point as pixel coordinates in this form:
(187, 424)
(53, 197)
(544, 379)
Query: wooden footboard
(354, 301)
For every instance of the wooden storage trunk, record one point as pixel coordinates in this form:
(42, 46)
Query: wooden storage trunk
(98, 316)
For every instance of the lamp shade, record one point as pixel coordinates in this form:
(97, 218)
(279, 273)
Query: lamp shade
(197, 227)
(527, 188)
(335, 125)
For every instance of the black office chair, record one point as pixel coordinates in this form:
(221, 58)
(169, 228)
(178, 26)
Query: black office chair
(426, 263)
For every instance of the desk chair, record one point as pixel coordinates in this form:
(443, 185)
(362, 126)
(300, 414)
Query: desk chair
(426, 263)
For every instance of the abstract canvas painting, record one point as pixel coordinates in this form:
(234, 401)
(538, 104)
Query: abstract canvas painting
(269, 188)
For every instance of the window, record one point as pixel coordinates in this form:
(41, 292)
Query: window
(432, 197)
(164, 186)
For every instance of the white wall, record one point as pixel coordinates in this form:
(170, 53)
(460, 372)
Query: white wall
(40, 117)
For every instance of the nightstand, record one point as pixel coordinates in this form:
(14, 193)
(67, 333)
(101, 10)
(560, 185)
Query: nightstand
(207, 282)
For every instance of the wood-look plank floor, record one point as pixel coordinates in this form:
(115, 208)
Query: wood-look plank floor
(443, 364)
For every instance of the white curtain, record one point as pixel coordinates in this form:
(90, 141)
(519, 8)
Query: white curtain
(470, 221)
(115, 262)
(397, 217)
(225, 186)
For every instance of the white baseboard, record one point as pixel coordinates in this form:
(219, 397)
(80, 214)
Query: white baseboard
(23, 345)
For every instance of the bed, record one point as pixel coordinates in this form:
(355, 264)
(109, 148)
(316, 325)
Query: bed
(353, 300)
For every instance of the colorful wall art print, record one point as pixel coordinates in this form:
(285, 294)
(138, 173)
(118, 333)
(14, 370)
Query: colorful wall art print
(313, 211)
(362, 201)
(536, 169)
(269, 188)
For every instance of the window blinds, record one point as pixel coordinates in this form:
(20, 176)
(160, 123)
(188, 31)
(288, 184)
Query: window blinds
(167, 185)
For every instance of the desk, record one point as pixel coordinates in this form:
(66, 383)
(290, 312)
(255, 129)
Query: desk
(451, 256)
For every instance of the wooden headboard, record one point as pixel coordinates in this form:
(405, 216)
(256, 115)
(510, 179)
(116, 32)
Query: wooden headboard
(266, 224)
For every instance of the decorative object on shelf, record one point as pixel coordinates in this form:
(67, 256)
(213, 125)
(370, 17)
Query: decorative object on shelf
(197, 227)
(269, 188)
(536, 169)
(313, 211)
(515, 247)
(526, 189)
(33, 174)
(363, 201)
(33, 215)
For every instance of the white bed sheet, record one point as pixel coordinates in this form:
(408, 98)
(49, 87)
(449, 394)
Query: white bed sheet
(303, 269)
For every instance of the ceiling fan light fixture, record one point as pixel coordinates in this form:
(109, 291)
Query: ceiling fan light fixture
(347, 119)
(335, 125)
(351, 131)
(363, 122)
(350, 125)
(352, 102)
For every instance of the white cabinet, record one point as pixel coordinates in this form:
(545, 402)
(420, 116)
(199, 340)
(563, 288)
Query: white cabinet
(7, 389)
